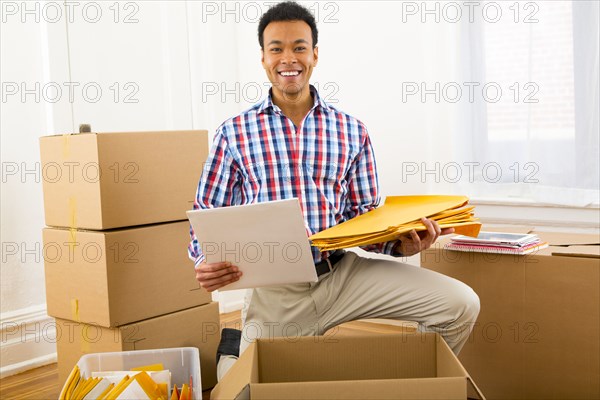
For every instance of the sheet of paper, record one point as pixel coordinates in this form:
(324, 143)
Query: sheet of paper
(267, 241)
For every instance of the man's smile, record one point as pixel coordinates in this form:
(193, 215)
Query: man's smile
(289, 73)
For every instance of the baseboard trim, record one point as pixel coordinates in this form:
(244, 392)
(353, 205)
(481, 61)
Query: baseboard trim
(23, 366)
(230, 306)
(28, 338)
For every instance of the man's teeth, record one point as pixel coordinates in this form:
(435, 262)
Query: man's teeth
(289, 73)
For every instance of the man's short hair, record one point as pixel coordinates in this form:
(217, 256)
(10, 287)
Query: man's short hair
(287, 11)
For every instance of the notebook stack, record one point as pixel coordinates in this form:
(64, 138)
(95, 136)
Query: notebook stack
(116, 267)
(497, 243)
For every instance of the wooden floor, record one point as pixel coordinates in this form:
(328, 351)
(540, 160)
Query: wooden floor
(42, 383)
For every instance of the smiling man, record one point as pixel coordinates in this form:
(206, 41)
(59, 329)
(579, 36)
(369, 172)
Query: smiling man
(293, 144)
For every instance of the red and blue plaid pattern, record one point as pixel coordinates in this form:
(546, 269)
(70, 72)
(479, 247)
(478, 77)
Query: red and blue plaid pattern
(328, 164)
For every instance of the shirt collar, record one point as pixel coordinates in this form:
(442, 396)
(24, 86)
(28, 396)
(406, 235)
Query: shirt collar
(268, 104)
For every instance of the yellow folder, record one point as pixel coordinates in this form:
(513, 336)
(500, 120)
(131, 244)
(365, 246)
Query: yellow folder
(398, 215)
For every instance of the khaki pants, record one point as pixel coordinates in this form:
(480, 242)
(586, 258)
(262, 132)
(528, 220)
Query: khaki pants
(359, 288)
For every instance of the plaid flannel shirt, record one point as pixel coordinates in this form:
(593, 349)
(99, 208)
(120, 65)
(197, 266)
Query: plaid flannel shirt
(327, 163)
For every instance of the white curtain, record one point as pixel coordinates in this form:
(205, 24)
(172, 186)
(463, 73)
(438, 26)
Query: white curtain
(532, 127)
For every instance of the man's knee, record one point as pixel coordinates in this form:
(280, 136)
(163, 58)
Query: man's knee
(470, 304)
(464, 303)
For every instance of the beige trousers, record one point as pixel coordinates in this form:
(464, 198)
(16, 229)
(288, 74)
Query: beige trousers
(359, 288)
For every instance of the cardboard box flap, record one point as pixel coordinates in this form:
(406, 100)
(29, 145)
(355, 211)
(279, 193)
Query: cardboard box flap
(508, 229)
(473, 391)
(97, 133)
(571, 244)
(319, 358)
(419, 388)
(591, 251)
(446, 366)
(445, 361)
(243, 372)
(568, 239)
(243, 395)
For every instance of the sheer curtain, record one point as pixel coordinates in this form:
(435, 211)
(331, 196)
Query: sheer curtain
(533, 130)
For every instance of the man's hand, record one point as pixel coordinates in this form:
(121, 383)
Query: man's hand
(414, 242)
(216, 275)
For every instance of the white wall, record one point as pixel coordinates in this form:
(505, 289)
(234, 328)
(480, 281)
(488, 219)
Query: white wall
(170, 62)
(143, 72)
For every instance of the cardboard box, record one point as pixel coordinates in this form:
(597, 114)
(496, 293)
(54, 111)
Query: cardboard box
(113, 180)
(195, 327)
(401, 366)
(538, 332)
(113, 278)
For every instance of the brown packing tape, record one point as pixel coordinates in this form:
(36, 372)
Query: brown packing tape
(72, 200)
(72, 243)
(75, 310)
(73, 214)
(85, 346)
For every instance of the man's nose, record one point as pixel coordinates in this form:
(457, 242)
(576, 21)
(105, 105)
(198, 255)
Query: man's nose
(288, 57)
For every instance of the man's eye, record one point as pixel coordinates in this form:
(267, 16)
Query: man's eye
(275, 50)
(300, 48)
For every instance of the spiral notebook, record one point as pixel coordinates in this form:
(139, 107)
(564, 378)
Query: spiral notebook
(497, 243)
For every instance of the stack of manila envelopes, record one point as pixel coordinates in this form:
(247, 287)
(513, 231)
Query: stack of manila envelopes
(399, 215)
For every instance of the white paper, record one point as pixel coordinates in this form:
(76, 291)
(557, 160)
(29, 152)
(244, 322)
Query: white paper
(115, 377)
(97, 390)
(267, 241)
(133, 391)
(498, 238)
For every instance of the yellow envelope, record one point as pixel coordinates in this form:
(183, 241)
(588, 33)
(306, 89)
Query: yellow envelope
(399, 215)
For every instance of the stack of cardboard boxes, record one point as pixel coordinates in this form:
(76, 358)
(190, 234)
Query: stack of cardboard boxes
(117, 273)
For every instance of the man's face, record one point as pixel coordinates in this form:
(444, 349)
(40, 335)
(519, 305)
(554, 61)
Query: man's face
(288, 56)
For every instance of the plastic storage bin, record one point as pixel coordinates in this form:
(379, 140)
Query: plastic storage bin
(183, 362)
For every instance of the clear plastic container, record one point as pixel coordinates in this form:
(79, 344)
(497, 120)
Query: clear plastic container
(183, 362)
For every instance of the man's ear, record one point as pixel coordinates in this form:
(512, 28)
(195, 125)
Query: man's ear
(316, 55)
(262, 57)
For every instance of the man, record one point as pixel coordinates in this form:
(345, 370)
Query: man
(293, 144)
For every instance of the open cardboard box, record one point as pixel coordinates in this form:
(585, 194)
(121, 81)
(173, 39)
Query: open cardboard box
(113, 180)
(538, 331)
(398, 366)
